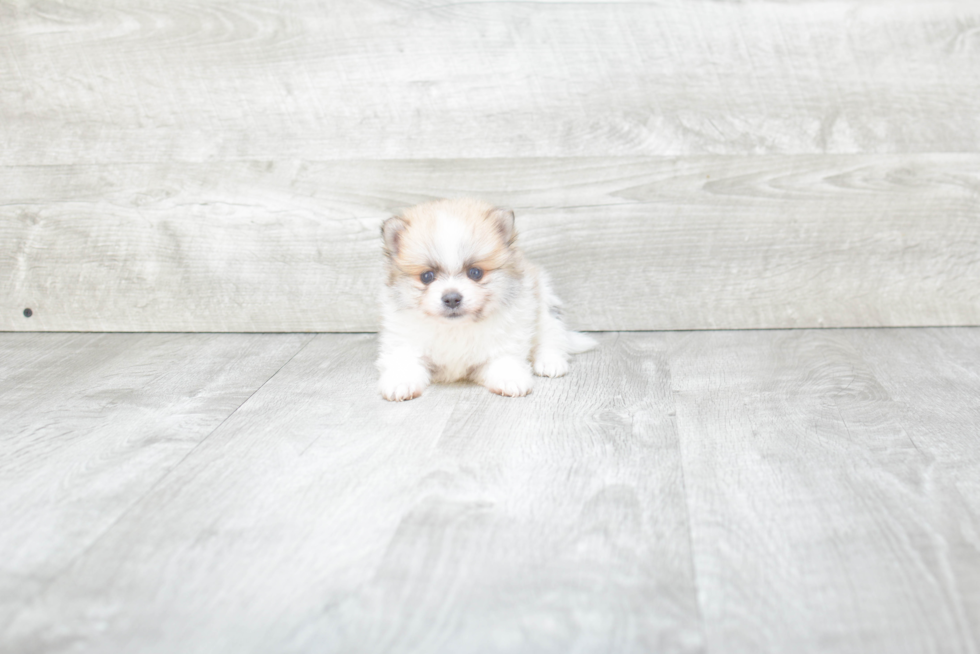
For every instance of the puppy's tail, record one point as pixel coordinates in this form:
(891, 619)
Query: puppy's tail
(579, 342)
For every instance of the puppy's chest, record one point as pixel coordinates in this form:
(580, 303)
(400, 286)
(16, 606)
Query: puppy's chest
(459, 353)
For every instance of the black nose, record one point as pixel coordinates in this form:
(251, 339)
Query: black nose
(452, 299)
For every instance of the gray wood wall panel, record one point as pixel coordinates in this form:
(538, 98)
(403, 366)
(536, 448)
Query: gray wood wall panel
(219, 165)
(633, 243)
(91, 82)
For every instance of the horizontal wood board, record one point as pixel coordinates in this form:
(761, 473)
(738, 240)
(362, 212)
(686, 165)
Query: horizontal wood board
(632, 243)
(223, 166)
(217, 80)
(806, 491)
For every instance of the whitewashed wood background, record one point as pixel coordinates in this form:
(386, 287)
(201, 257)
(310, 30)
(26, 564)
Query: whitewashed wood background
(225, 165)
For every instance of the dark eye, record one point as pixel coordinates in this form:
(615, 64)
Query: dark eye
(428, 277)
(475, 274)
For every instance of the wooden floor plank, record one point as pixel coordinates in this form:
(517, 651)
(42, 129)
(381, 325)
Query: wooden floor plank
(819, 521)
(554, 524)
(635, 243)
(933, 378)
(91, 422)
(810, 491)
(320, 518)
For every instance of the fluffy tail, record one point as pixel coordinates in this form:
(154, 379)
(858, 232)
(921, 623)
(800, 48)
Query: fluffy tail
(579, 342)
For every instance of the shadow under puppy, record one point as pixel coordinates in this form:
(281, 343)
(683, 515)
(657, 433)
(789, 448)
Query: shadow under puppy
(461, 302)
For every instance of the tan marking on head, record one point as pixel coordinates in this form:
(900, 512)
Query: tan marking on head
(391, 231)
(448, 237)
(485, 232)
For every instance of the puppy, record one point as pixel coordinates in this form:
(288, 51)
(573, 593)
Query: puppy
(461, 302)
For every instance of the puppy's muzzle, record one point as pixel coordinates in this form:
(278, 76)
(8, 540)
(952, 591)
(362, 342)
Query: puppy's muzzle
(452, 300)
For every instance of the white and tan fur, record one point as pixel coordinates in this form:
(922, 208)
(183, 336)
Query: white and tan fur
(493, 327)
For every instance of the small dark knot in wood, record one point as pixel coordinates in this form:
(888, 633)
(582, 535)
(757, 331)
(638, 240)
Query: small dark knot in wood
(28, 313)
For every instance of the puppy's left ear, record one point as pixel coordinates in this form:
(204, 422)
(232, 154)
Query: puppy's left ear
(391, 232)
(504, 218)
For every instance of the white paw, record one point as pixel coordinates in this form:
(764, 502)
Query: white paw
(511, 387)
(550, 363)
(398, 385)
(508, 377)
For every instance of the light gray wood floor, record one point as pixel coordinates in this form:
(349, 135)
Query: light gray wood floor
(762, 491)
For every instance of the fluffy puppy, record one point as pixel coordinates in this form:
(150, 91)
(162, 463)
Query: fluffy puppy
(461, 302)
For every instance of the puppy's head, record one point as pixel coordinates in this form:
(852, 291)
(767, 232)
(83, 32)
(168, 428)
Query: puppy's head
(452, 259)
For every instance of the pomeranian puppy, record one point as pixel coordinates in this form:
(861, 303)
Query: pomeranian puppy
(461, 302)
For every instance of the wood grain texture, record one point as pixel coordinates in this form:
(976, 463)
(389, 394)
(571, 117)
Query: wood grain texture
(775, 491)
(821, 521)
(320, 518)
(932, 377)
(90, 423)
(223, 166)
(215, 80)
(632, 243)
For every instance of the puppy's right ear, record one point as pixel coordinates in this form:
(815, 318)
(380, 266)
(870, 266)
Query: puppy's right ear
(504, 218)
(391, 231)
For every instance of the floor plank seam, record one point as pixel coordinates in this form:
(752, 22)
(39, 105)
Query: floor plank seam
(690, 527)
(150, 490)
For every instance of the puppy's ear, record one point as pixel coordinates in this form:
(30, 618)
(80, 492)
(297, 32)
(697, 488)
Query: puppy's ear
(504, 219)
(391, 231)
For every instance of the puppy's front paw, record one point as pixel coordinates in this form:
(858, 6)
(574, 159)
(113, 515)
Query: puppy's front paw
(508, 377)
(398, 385)
(550, 363)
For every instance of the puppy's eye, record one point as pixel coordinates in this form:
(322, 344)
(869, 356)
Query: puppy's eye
(475, 274)
(427, 277)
